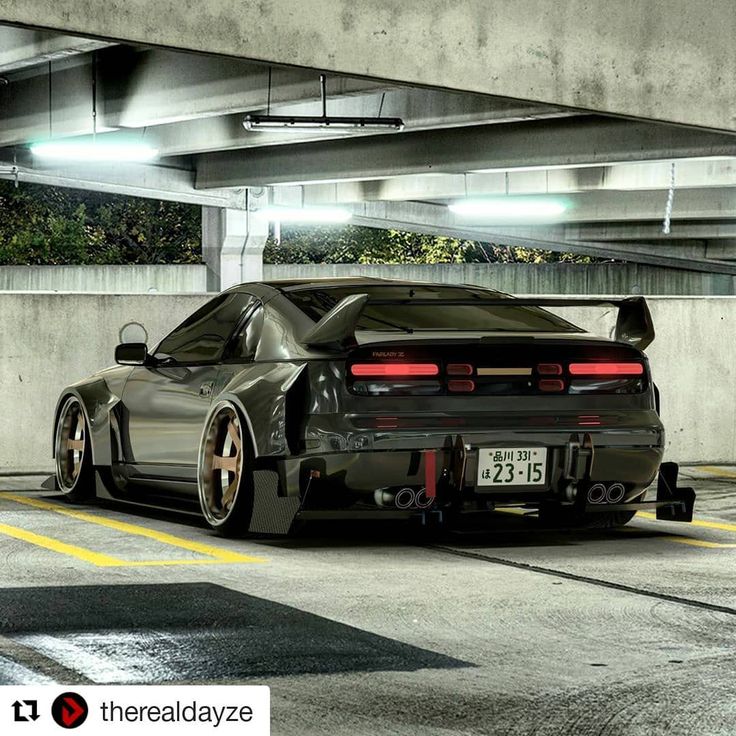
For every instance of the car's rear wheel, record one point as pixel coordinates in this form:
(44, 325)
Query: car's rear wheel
(225, 476)
(74, 469)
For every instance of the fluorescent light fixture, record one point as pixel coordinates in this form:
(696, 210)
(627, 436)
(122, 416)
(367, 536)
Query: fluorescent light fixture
(306, 214)
(282, 123)
(509, 208)
(93, 151)
(285, 123)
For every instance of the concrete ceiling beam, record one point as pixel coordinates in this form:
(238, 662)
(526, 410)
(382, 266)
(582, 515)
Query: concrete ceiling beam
(21, 48)
(649, 176)
(436, 220)
(603, 208)
(614, 231)
(135, 180)
(578, 141)
(661, 59)
(137, 89)
(420, 109)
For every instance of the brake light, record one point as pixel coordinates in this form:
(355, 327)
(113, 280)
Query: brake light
(460, 386)
(589, 420)
(549, 369)
(550, 385)
(606, 369)
(398, 370)
(459, 369)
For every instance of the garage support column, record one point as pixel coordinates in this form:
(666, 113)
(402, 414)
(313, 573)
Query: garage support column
(232, 246)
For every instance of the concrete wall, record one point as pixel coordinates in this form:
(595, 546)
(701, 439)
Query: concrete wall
(529, 278)
(50, 340)
(110, 279)
(516, 278)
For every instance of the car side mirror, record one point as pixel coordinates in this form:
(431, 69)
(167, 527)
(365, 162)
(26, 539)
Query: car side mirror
(131, 353)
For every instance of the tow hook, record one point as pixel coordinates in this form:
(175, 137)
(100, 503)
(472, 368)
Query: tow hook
(579, 456)
(451, 478)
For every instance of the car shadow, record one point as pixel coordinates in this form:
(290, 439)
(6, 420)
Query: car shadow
(503, 530)
(498, 530)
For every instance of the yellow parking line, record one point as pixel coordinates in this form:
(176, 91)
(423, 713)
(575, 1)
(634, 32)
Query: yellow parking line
(87, 555)
(216, 554)
(81, 553)
(718, 471)
(700, 543)
(721, 526)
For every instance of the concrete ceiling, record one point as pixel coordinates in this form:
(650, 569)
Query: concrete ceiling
(614, 172)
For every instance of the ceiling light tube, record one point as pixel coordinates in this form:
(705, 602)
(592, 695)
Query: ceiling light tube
(509, 208)
(93, 151)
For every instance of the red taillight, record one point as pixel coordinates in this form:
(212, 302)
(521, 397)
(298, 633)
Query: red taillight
(387, 422)
(398, 370)
(551, 384)
(460, 386)
(549, 369)
(459, 369)
(606, 369)
(589, 420)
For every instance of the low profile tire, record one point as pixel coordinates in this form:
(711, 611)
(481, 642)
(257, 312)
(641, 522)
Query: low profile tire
(75, 474)
(571, 518)
(225, 472)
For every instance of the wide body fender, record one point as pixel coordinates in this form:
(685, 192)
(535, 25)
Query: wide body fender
(262, 393)
(98, 397)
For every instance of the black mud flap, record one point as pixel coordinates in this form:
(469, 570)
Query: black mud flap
(272, 513)
(682, 499)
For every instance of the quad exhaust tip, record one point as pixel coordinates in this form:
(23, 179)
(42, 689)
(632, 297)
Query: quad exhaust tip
(404, 499)
(613, 493)
(597, 493)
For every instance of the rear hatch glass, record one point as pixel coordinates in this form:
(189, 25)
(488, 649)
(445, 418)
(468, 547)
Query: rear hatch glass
(414, 314)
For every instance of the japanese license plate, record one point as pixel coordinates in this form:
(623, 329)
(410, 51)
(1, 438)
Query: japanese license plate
(512, 466)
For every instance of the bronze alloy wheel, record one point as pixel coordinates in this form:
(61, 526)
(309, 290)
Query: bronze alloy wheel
(223, 472)
(73, 464)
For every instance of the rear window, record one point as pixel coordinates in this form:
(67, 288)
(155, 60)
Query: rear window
(408, 317)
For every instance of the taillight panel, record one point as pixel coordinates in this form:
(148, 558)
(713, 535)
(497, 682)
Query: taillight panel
(459, 369)
(395, 370)
(456, 385)
(549, 369)
(497, 369)
(606, 369)
(551, 385)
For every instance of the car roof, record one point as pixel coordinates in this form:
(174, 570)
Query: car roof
(287, 285)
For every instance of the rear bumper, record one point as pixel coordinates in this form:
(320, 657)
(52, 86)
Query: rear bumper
(397, 459)
(334, 433)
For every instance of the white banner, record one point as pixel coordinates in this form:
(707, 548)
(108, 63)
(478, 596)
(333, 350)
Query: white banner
(49, 710)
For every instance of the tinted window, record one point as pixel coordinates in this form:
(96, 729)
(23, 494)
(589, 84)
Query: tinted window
(407, 316)
(202, 336)
(245, 342)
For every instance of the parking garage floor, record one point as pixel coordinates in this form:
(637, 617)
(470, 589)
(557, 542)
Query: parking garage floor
(515, 630)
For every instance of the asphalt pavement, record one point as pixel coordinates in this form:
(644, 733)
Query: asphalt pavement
(370, 629)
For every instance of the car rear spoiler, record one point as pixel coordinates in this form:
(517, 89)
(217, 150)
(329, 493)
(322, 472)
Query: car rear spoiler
(337, 328)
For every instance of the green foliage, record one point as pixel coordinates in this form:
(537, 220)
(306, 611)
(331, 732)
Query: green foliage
(46, 225)
(352, 244)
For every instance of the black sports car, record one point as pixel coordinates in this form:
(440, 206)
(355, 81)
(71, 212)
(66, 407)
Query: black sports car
(366, 398)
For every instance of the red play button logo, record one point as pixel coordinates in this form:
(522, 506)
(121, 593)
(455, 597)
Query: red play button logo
(69, 710)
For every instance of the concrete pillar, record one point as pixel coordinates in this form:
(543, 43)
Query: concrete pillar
(232, 246)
